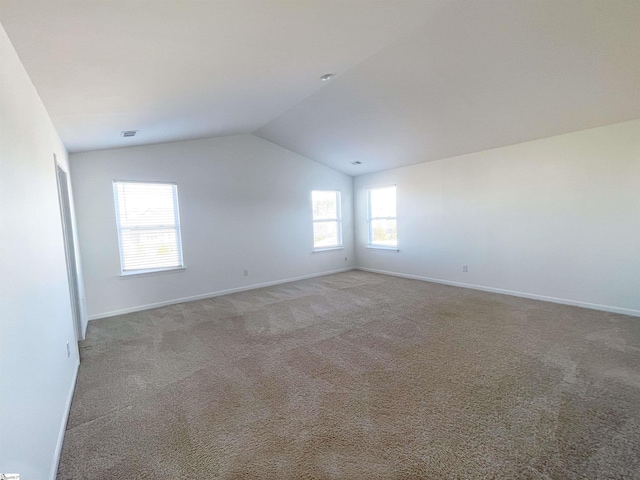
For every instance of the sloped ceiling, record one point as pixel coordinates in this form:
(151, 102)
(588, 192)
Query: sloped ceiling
(415, 80)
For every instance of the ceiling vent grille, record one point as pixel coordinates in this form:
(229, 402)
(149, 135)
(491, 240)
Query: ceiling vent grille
(129, 133)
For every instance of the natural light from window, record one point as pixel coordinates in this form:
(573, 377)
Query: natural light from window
(148, 226)
(383, 232)
(327, 222)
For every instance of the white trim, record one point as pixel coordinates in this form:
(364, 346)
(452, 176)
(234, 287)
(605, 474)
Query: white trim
(533, 296)
(213, 294)
(147, 273)
(63, 427)
(328, 249)
(380, 247)
(73, 276)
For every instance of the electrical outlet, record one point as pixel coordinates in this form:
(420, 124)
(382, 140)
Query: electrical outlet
(246, 273)
(68, 350)
(465, 268)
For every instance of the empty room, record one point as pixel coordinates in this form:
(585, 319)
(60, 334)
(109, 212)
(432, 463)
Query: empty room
(320, 239)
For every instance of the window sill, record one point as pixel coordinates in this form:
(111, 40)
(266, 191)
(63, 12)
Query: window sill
(149, 273)
(382, 247)
(328, 249)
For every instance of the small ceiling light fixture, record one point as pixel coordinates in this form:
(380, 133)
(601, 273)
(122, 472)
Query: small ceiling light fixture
(129, 133)
(327, 76)
(357, 162)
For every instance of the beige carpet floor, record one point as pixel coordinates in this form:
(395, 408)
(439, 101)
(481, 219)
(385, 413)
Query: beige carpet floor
(358, 376)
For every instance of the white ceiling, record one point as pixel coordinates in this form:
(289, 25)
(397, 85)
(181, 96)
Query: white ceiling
(416, 80)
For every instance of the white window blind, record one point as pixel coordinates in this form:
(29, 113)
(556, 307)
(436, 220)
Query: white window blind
(327, 221)
(148, 226)
(383, 230)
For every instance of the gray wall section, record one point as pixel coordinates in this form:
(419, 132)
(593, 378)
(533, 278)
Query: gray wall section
(556, 219)
(245, 204)
(36, 375)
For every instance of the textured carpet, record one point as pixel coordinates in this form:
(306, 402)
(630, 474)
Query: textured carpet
(358, 376)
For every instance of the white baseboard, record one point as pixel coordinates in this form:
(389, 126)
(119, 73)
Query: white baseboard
(219, 293)
(63, 426)
(563, 301)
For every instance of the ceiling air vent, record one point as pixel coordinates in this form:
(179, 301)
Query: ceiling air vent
(129, 133)
(357, 162)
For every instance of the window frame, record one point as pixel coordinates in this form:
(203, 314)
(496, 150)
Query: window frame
(337, 219)
(370, 220)
(176, 227)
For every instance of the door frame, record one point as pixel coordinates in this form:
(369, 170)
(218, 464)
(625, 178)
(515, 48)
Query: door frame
(64, 200)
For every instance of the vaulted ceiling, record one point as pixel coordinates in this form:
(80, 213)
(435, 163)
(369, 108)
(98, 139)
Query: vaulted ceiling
(416, 80)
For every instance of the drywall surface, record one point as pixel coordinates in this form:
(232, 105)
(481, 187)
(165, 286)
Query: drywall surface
(36, 375)
(245, 204)
(557, 218)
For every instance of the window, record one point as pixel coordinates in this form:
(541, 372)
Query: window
(327, 222)
(148, 226)
(383, 232)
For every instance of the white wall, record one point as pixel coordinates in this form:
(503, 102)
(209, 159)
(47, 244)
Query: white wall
(245, 203)
(36, 376)
(557, 218)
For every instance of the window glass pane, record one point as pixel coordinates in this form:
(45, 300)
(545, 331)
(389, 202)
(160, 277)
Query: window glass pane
(325, 234)
(384, 232)
(383, 202)
(148, 226)
(146, 204)
(148, 249)
(325, 204)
